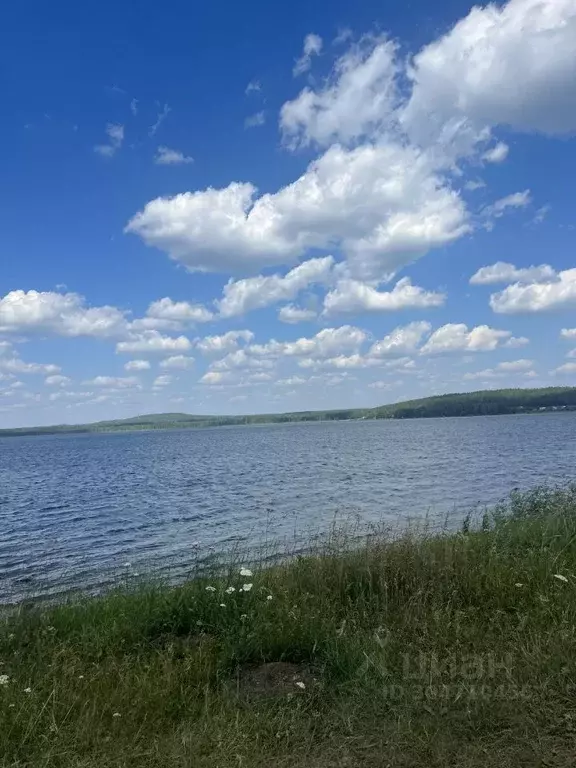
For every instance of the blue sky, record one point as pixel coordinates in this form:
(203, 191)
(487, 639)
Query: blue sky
(247, 208)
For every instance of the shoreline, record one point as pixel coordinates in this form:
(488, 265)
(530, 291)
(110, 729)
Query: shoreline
(481, 403)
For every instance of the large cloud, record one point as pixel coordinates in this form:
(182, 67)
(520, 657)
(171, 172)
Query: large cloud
(513, 65)
(382, 191)
(384, 206)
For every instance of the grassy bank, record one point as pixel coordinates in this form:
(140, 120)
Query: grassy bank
(440, 650)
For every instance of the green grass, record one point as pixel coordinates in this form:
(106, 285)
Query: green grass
(423, 651)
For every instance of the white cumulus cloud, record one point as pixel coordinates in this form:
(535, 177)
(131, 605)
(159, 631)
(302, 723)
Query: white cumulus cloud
(393, 131)
(559, 293)
(503, 272)
(402, 341)
(60, 314)
(214, 377)
(406, 209)
(511, 65)
(113, 382)
(153, 341)
(456, 337)
(292, 314)
(226, 342)
(251, 293)
(513, 366)
(56, 380)
(358, 98)
(355, 296)
(326, 343)
(178, 361)
(137, 365)
(567, 368)
(179, 311)
(163, 380)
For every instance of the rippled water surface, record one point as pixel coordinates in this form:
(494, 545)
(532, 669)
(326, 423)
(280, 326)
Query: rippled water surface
(74, 510)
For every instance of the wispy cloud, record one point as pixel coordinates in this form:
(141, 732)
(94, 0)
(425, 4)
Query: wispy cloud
(343, 36)
(134, 107)
(312, 47)
(254, 86)
(115, 135)
(160, 117)
(541, 214)
(497, 209)
(259, 118)
(167, 156)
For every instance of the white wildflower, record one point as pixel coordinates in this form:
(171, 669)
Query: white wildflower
(229, 590)
(269, 597)
(4, 679)
(222, 605)
(560, 577)
(116, 714)
(247, 587)
(27, 690)
(245, 572)
(11, 706)
(518, 584)
(244, 616)
(210, 589)
(300, 684)
(80, 677)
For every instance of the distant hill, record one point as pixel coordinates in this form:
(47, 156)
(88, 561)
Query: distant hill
(489, 402)
(155, 418)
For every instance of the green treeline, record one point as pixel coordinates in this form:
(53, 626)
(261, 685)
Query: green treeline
(482, 403)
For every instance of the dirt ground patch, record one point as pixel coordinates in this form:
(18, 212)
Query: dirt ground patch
(276, 678)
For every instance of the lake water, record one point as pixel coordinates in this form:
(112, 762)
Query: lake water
(76, 509)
